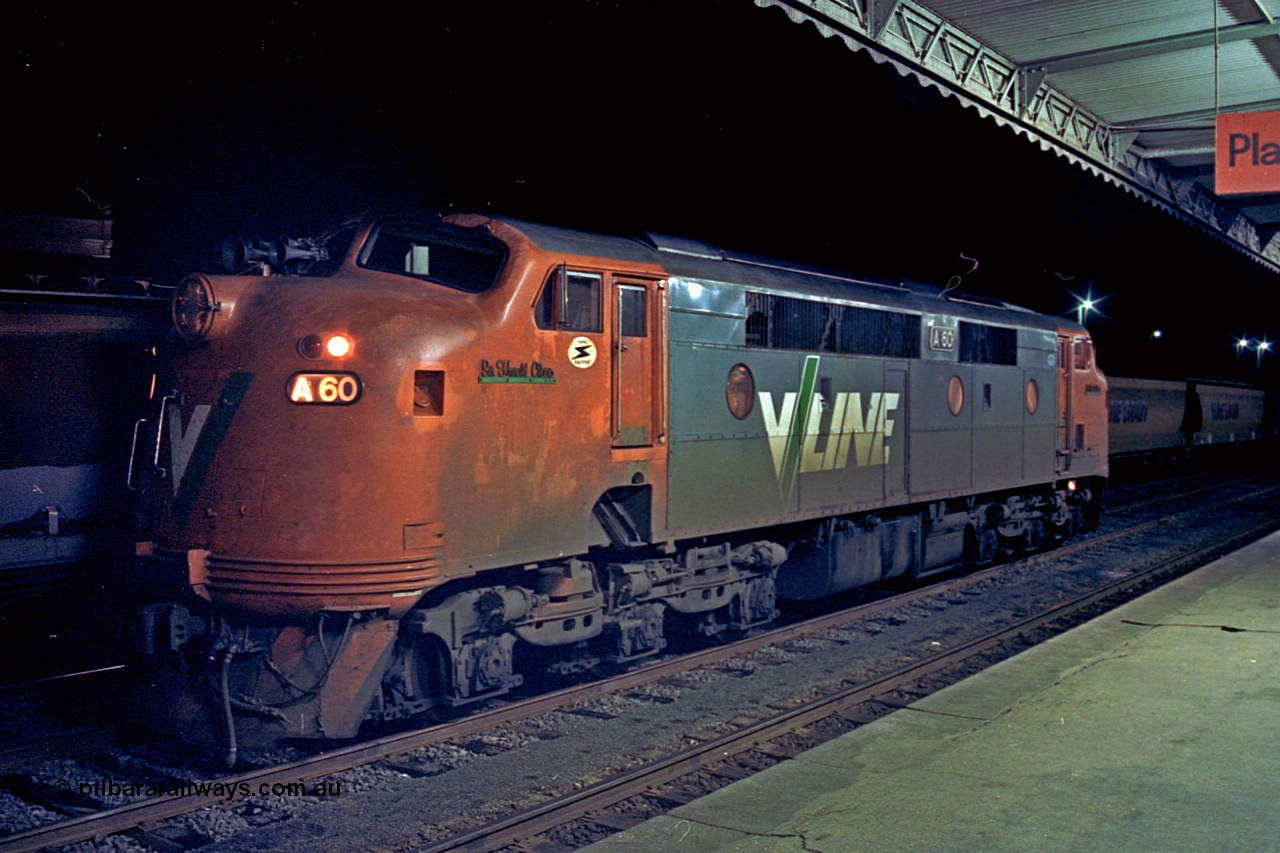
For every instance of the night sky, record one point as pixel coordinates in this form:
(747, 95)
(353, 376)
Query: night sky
(711, 120)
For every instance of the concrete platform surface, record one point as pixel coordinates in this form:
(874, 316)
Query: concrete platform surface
(1158, 736)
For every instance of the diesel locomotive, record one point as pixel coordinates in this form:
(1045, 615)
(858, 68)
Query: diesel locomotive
(399, 464)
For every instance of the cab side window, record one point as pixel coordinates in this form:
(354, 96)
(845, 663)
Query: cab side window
(1084, 355)
(571, 300)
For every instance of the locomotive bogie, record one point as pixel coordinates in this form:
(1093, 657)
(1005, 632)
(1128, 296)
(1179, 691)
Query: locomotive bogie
(848, 552)
(568, 608)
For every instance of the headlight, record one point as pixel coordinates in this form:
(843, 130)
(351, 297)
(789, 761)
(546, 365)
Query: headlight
(338, 346)
(334, 346)
(194, 307)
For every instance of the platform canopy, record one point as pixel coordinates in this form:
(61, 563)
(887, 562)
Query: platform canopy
(1127, 89)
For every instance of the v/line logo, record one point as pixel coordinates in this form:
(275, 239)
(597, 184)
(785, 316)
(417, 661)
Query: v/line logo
(192, 449)
(852, 432)
(182, 443)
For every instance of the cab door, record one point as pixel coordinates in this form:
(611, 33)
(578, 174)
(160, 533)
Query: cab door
(1079, 382)
(1066, 402)
(636, 388)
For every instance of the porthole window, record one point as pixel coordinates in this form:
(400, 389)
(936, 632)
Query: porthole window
(740, 391)
(955, 395)
(1033, 396)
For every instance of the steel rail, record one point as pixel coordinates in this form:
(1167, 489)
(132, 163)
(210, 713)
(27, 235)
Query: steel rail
(149, 811)
(540, 819)
(61, 745)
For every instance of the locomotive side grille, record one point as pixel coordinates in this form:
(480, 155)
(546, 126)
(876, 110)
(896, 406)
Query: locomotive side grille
(981, 344)
(785, 322)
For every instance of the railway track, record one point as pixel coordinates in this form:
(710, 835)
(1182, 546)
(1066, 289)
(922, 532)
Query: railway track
(49, 718)
(715, 762)
(758, 736)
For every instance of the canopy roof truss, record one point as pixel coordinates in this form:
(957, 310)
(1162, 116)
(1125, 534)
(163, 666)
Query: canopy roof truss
(1126, 89)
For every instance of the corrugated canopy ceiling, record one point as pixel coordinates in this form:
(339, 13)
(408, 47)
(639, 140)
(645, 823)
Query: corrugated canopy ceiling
(1128, 89)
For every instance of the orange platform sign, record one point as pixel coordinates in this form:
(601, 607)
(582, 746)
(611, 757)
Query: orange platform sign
(1248, 153)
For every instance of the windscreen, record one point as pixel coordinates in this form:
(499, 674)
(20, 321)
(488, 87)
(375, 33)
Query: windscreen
(462, 258)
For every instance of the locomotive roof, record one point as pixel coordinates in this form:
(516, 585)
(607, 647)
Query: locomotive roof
(696, 260)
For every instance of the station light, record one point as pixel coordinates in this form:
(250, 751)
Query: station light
(1085, 305)
(1258, 346)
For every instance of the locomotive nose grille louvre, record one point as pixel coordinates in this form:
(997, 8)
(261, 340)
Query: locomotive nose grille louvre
(349, 579)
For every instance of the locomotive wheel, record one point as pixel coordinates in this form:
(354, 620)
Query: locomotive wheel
(491, 666)
(433, 670)
(980, 547)
(1036, 534)
(988, 545)
(971, 557)
(1075, 522)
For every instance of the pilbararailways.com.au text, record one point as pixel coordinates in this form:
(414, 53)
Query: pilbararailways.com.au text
(229, 791)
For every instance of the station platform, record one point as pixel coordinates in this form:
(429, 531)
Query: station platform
(1113, 736)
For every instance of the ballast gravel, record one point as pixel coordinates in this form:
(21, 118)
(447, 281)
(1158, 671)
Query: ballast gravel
(460, 785)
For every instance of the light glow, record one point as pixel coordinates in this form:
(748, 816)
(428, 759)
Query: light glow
(1087, 304)
(338, 346)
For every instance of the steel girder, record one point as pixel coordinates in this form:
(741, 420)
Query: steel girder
(941, 55)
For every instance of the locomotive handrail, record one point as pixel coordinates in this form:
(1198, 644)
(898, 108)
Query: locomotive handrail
(164, 407)
(133, 453)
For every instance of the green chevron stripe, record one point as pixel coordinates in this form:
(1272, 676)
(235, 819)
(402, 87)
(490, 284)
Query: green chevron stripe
(206, 449)
(799, 426)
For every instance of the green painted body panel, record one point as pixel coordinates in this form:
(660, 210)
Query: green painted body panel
(833, 434)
